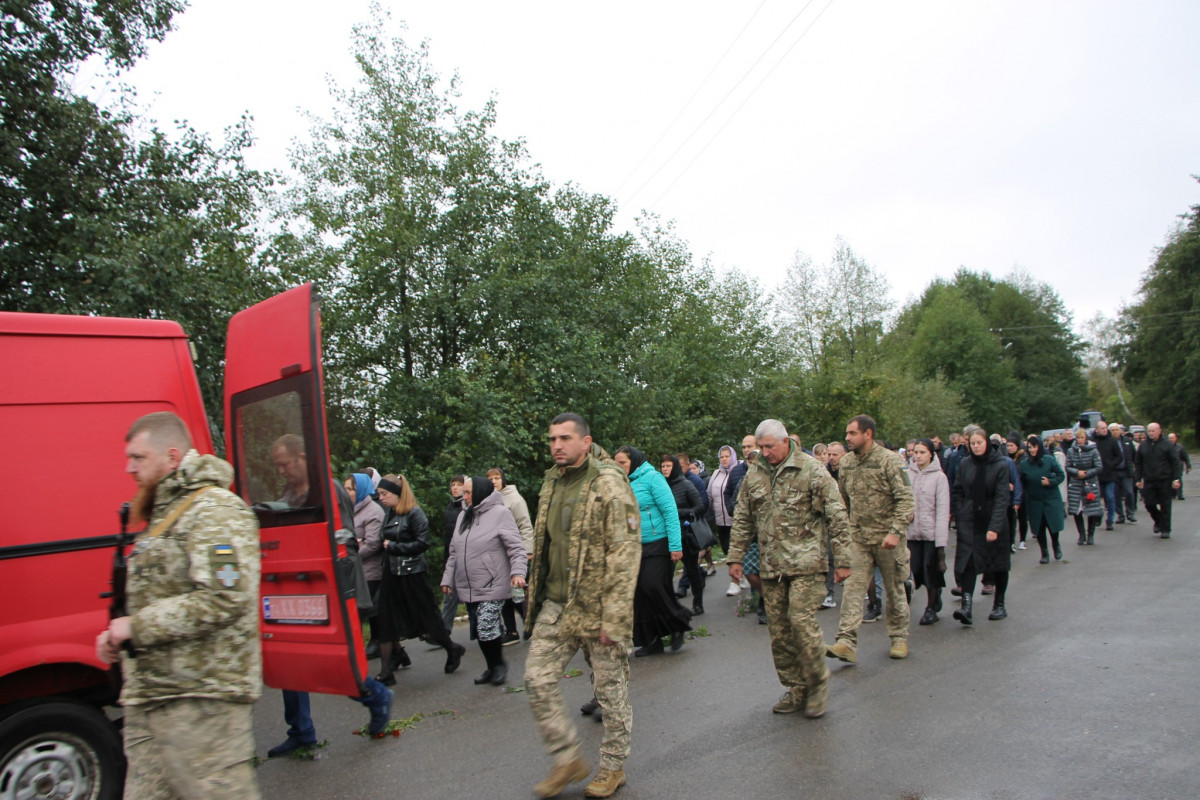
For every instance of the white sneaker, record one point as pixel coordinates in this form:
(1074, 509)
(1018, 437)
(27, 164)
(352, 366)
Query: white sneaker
(734, 590)
(829, 602)
(1021, 546)
(745, 583)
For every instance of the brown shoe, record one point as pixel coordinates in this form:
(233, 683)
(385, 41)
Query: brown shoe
(899, 648)
(791, 702)
(841, 651)
(561, 775)
(606, 783)
(816, 701)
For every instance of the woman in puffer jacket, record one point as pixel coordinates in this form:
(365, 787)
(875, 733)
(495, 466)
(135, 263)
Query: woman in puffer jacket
(1083, 486)
(656, 612)
(930, 529)
(486, 558)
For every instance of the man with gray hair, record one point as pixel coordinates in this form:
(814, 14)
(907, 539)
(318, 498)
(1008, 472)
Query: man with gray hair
(788, 501)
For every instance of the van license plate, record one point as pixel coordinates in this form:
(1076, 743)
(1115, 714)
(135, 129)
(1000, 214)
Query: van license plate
(305, 609)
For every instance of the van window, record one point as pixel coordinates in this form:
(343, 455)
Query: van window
(275, 473)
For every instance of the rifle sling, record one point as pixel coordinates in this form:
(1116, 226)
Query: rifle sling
(166, 524)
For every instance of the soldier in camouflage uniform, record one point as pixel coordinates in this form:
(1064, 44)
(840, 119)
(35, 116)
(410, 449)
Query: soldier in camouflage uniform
(586, 552)
(879, 497)
(192, 594)
(788, 499)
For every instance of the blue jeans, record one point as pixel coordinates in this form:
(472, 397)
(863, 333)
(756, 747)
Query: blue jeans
(298, 716)
(1109, 490)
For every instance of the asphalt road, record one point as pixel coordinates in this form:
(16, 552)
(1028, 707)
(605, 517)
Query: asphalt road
(1090, 689)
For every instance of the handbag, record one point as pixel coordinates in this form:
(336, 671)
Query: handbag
(698, 534)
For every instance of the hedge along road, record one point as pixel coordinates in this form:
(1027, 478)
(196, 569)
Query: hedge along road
(1087, 690)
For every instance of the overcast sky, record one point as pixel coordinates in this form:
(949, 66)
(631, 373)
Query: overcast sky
(1058, 137)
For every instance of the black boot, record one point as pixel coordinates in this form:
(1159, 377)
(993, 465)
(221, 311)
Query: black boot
(998, 610)
(1091, 536)
(963, 614)
(1041, 540)
(1057, 547)
(1079, 527)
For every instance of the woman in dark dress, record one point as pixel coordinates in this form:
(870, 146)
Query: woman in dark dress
(656, 612)
(980, 498)
(406, 605)
(689, 505)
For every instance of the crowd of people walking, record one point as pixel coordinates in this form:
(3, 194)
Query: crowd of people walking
(792, 524)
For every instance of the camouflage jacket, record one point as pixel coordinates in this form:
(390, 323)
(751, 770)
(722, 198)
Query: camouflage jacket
(877, 494)
(193, 594)
(605, 552)
(790, 508)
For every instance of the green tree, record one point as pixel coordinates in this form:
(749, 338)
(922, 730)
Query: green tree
(1160, 351)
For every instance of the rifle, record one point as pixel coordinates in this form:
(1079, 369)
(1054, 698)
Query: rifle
(120, 569)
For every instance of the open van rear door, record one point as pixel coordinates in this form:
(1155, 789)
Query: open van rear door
(276, 441)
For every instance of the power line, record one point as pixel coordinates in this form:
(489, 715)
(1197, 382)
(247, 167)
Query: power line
(720, 102)
(683, 172)
(688, 103)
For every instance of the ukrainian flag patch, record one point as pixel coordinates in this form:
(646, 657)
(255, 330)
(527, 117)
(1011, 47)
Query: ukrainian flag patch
(222, 550)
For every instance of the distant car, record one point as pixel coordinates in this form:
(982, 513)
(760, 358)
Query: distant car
(1088, 419)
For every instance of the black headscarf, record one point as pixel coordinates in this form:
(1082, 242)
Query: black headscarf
(481, 488)
(636, 457)
(676, 470)
(1041, 449)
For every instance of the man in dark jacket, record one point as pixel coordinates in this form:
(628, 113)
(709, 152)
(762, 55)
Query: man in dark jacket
(1112, 459)
(1157, 465)
(1126, 500)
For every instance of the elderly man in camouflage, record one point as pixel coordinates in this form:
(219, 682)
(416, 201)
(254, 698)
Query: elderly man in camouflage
(192, 595)
(879, 498)
(586, 552)
(789, 500)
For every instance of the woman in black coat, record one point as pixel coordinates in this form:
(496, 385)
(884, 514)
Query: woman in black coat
(980, 500)
(407, 608)
(690, 506)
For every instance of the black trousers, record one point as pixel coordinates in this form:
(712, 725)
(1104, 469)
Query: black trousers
(1158, 497)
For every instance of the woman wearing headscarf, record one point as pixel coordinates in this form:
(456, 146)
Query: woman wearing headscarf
(406, 605)
(486, 558)
(1041, 476)
(929, 532)
(656, 612)
(689, 505)
(368, 529)
(980, 497)
(1083, 486)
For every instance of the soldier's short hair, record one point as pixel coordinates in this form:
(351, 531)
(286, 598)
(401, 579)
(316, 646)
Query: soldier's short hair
(165, 430)
(581, 426)
(772, 428)
(865, 423)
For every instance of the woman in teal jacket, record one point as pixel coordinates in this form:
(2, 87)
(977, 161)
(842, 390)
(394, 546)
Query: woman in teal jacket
(1041, 476)
(656, 612)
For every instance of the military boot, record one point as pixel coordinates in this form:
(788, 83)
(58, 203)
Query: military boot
(606, 783)
(561, 775)
(842, 651)
(899, 649)
(792, 701)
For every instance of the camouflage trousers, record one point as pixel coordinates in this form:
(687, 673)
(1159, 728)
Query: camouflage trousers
(796, 644)
(190, 748)
(549, 653)
(893, 564)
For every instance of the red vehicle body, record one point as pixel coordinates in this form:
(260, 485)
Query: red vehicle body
(70, 388)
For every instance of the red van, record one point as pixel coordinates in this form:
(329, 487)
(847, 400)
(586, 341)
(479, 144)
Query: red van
(70, 388)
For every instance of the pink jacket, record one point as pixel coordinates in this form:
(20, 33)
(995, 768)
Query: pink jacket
(931, 505)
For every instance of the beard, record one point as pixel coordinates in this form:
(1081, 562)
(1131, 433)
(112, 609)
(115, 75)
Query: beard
(141, 507)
